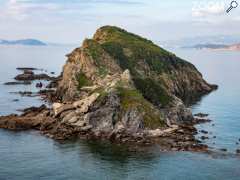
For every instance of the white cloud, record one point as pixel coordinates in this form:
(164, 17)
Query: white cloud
(20, 10)
(209, 9)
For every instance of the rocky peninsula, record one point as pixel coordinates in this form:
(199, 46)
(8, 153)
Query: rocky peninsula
(121, 87)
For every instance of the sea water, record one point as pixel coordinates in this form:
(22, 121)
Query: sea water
(31, 156)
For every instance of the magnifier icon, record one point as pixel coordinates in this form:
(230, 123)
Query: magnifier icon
(234, 4)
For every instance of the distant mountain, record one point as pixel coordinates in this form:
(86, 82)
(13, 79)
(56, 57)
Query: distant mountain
(207, 46)
(198, 40)
(233, 47)
(26, 42)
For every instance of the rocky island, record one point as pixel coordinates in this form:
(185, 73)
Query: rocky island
(121, 87)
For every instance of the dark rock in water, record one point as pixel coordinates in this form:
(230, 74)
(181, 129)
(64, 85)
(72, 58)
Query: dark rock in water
(52, 72)
(15, 100)
(39, 85)
(18, 83)
(34, 109)
(223, 149)
(26, 69)
(204, 132)
(238, 151)
(204, 137)
(26, 93)
(31, 77)
(201, 115)
(214, 137)
(28, 75)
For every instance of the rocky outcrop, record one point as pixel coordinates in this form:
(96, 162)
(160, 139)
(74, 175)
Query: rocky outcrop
(122, 87)
(29, 75)
(161, 78)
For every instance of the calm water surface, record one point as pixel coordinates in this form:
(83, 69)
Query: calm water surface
(30, 156)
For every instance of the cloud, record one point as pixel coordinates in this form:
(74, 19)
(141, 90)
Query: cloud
(208, 10)
(22, 9)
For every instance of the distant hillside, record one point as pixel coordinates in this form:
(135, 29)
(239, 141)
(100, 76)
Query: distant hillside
(234, 47)
(198, 40)
(26, 42)
(207, 46)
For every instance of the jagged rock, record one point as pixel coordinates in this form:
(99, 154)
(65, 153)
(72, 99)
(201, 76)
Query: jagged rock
(84, 104)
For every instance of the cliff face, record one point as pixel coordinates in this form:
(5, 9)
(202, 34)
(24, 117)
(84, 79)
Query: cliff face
(121, 81)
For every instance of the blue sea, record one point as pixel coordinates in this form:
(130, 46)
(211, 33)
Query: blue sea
(28, 155)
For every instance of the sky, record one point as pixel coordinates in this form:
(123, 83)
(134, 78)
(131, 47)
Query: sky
(71, 21)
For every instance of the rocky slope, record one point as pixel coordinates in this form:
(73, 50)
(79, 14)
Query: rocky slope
(121, 85)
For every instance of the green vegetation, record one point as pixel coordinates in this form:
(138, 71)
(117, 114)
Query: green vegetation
(82, 80)
(131, 98)
(143, 52)
(152, 91)
(141, 48)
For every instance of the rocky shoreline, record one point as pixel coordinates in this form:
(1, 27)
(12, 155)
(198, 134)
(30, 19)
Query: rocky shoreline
(43, 119)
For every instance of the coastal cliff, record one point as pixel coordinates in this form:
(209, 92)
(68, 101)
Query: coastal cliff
(119, 85)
